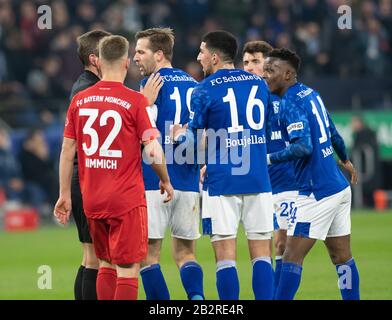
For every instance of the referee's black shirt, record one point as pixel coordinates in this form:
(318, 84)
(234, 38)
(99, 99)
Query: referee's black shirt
(85, 80)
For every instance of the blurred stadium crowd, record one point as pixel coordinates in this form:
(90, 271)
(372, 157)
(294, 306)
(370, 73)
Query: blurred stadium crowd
(38, 67)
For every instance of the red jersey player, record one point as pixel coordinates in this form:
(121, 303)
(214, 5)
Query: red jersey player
(106, 125)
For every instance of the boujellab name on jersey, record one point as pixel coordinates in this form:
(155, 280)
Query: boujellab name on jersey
(245, 141)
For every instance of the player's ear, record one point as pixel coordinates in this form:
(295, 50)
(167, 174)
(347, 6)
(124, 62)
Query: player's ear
(288, 75)
(97, 63)
(215, 59)
(159, 55)
(128, 63)
(92, 59)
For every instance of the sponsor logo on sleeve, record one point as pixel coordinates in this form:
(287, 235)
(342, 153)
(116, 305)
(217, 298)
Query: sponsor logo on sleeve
(295, 126)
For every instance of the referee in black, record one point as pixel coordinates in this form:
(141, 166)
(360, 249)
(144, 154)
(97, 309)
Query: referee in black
(85, 282)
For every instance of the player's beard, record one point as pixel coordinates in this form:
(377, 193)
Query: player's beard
(147, 67)
(208, 71)
(146, 71)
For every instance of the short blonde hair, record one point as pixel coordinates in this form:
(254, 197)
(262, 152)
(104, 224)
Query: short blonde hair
(113, 48)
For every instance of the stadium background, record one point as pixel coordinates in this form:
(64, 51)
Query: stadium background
(350, 68)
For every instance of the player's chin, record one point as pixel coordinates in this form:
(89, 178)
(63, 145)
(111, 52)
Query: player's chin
(272, 88)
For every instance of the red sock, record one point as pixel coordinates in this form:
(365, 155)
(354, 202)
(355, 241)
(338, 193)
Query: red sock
(126, 289)
(106, 283)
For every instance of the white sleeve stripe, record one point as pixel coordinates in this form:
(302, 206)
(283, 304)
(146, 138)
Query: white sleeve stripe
(152, 112)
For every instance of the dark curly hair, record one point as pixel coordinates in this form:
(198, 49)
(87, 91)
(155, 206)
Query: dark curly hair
(286, 55)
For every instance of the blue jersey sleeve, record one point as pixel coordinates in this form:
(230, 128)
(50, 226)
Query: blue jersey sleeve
(295, 120)
(298, 129)
(268, 126)
(337, 141)
(300, 148)
(200, 101)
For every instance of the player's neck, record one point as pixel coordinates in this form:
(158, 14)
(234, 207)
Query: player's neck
(220, 66)
(165, 64)
(92, 69)
(287, 86)
(113, 76)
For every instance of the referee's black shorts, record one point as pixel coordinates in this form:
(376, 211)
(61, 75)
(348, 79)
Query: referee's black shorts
(77, 209)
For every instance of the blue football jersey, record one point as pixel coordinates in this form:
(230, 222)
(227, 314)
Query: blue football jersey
(173, 107)
(281, 174)
(303, 114)
(232, 105)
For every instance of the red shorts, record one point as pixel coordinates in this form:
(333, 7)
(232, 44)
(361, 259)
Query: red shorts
(121, 240)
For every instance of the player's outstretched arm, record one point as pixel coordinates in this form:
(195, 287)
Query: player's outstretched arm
(299, 148)
(337, 141)
(155, 155)
(340, 148)
(62, 209)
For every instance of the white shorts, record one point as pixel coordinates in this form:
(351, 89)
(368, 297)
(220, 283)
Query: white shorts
(182, 214)
(225, 212)
(284, 205)
(328, 217)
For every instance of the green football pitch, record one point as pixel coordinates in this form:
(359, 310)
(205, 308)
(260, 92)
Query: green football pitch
(23, 253)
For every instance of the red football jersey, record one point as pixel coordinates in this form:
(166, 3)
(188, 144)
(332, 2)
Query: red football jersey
(109, 121)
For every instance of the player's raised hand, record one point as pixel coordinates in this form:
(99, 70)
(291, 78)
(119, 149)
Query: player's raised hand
(166, 186)
(62, 209)
(350, 168)
(152, 87)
